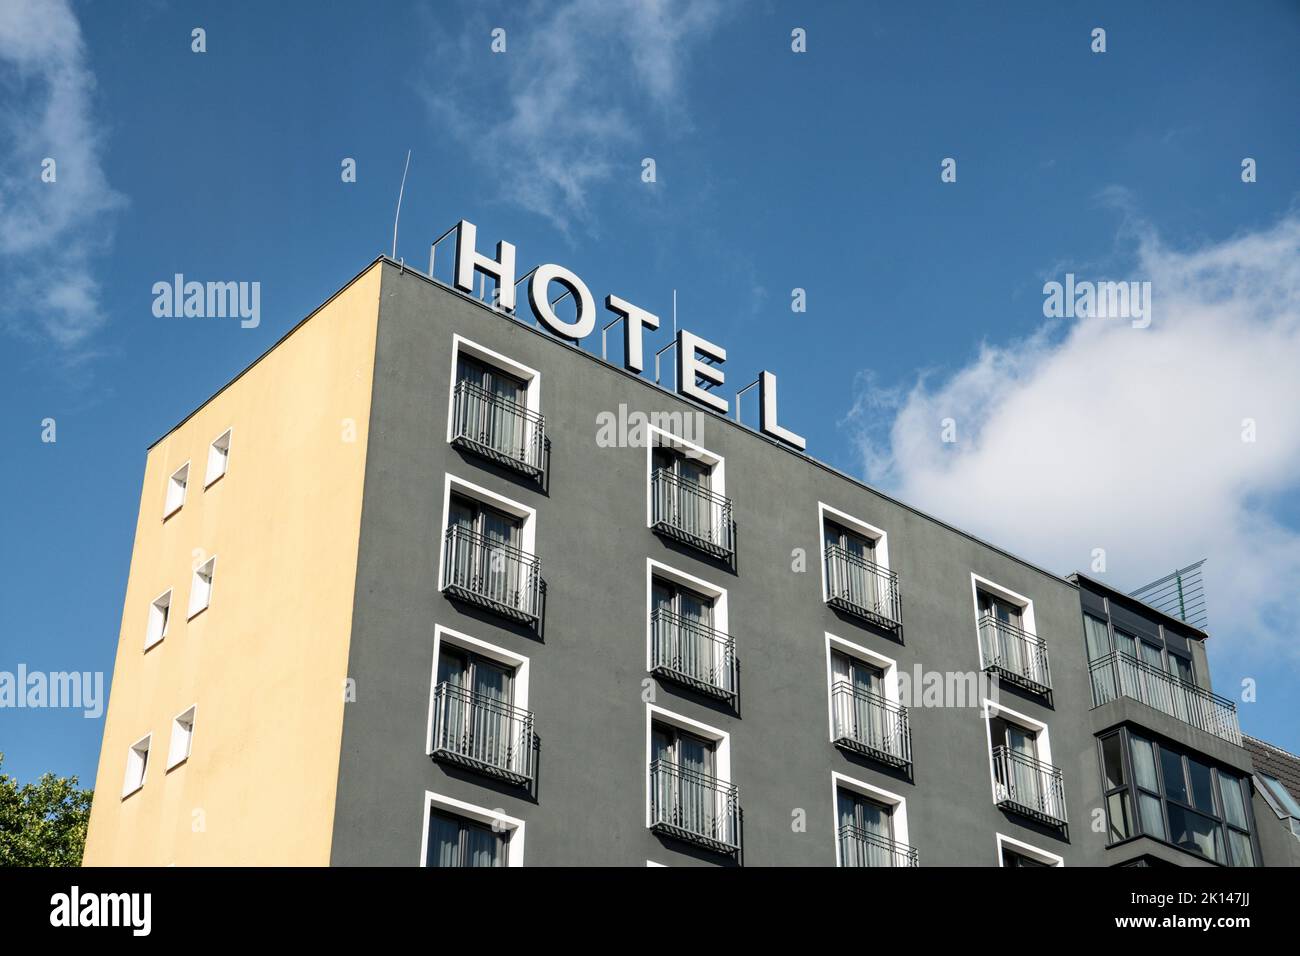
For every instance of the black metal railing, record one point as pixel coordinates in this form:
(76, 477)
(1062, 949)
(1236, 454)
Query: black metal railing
(693, 654)
(499, 429)
(1014, 654)
(692, 514)
(1028, 786)
(482, 732)
(869, 724)
(862, 588)
(1122, 675)
(694, 806)
(861, 847)
(491, 574)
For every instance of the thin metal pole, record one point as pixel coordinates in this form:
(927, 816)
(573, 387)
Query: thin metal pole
(399, 201)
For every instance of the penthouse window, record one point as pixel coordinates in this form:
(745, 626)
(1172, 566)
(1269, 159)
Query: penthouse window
(1159, 791)
(1009, 646)
(691, 797)
(870, 826)
(688, 499)
(856, 578)
(460, 834)
(495, 406)
(688, 641)
(478, 710)
(487, 553)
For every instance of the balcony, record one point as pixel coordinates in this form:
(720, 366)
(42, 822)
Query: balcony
(1029, 787)
(498, 429)
(1122, 675)
(694, 807)
(862, 588)
(870, 725)
(691, 654)
(1014, 655)
(859, 847)
(493, 575)
(483, 733)
(693, 515)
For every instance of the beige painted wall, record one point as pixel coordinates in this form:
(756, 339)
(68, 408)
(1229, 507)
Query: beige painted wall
(266, 662)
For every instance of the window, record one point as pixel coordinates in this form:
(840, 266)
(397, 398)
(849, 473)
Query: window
(690, 796)
(1181, 799)
(1009, 646)
(176, 490)
(685, 642)
(870, 825)
(1015, 853)
(457, 833)
(1024, 780)
(182, 736)
(688, 495)
(159, 615)
(137, 762)
(495, 409)
(201, 587)
(487, 555)
(865, 714)
(855, 569)
(218, 458)
(1281, 795)
(455, 841)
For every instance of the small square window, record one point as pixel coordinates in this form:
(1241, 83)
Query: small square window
(201, 587)
(218, 457)
(182, 737)
(137, 762)
(159, 615)
(176, 490)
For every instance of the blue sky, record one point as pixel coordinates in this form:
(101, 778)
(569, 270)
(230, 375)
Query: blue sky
(775, 170)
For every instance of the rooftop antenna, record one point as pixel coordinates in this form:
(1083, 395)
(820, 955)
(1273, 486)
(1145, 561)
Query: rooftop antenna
(399, 205)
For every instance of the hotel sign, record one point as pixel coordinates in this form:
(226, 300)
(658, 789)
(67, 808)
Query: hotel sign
(698, 360)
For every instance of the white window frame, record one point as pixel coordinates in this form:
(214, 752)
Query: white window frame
(1025, 849)
(720, 738)
(886, 664)
(657, 569)
(877, 535)
(173, 758)
(150, 638)
(994, 709)
(170, 506)
(717, 463)
(492, 818)
(531, 378)
(896, 803)
(527, 516)
(215, 456)
(134, 750)
(211, 565)
(519, 681)
(1026, 605)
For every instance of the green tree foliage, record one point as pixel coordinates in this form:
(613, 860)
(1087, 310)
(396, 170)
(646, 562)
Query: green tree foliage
(42, 823)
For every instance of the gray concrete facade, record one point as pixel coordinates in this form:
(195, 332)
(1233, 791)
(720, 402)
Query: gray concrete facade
(587, 664)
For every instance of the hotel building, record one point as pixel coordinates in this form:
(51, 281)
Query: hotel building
(397, 597)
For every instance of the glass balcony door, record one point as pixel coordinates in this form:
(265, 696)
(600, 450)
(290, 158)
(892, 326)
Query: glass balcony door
(858, 713)
(866, 831)
(492, 416)
(457, 842)
(686, 499)
(852, 576)
(477, 709)
(686, 793)
(483, 559)
(685, 633)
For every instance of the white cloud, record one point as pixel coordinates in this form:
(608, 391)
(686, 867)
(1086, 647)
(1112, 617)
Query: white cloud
(1094, 434)
(49, 231)
(578, 79)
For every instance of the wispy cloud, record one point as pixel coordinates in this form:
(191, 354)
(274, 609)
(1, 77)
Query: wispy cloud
(581, 82)
(49, 231)
(1101, 435)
